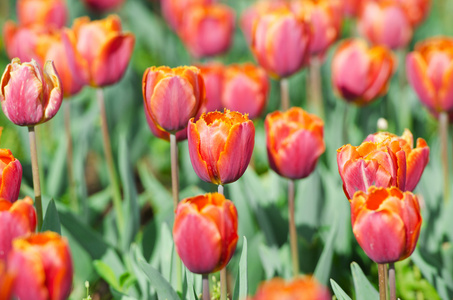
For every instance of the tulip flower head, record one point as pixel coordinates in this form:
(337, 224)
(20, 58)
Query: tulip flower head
(361, 74)
(103, 5)
(43, 12)
(294, 142)
(181, 135)
(221, 145)
(172, 96)
(213, 74)
(416, 10)
(300, 288)
(10, 176)
(173, 10)
(205, 232)
(386, 223)
(383, 160)
(30, 95)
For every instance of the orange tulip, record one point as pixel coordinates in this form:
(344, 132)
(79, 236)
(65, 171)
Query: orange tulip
(10, 176)
(300, 288)
(361, 74)
(43, 12)
(221, 145)
(386, 223)
(173, 10)
(294, 142)
(213, 79)
(172, 96)
(47, 259)
(245, 89)
(429, 69)
(383, 160)
(103, 5)
(17, 219)
(205, 232)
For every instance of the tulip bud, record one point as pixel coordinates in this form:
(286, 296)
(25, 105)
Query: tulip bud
(221, 145)
(10, 176)
(294, 142)
(173, 10)
(213, 80)
(386, 223)
(205, 232)
(47, 259)
(301, 288)
(361, 74)
(43, 12)
(29, 95)
(103, 5)
(181, 135)
(245, 89)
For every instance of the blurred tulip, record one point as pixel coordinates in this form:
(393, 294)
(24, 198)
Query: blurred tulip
(17, 219)
(361, 74)
(173, 10)
(10, 176)
(294, 142)
(221, 145)
(47, 258)
(172, 96)
(245, 89)
(416, 10)
(207, 30)
(213, 80)
(181, 135)
(43, 12)
(383, 160)
(351, 8)
(385, 23)
(300, 288)
(103, 5)
(281, 42)
(6, 282)
(29, 95)
(429, 71)
(205, 232)
(105, 49)
(386, 223)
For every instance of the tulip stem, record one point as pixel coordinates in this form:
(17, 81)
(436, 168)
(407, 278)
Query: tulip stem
(110, 164)
(223, 273)
(292, 228)
(443, 132)
(284, 94)
(72, 185)
(314, 88)
(35, 172)
(206, 294)
(392, 281)
(382, 285)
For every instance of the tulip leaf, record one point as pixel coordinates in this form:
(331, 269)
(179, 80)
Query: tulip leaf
(363, 288)
(56, 178)
(338, 291)
(163, 288)
(107, 274)
(51, 219)
(241, 287)
(322, 270)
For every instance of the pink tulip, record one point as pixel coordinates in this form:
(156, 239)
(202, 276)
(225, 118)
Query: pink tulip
(103, 5)
(174, 10)
(10, 176)
(213, 79)
(43, 12)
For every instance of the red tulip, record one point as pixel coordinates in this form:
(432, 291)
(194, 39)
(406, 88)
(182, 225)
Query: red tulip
(213, 79)
(383, 160)
(10, 176)
(416, 10)
(29, 95)
(103, 5)
(174, 10)
(172, 96)
(221, 145)
(361, 74)
(43, 12)
(300, 288)
(245, 89)
(386, 223)
(294, 142)
(205, 232)
(47, 259)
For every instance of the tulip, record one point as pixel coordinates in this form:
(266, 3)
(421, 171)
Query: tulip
(29, 95)
(173, 10)
(294, 142)
(245, 89)
(351, 8)
(103, 5)
(280, 42)
(221, 145)
(301, 288)
(205, 232)
(383, 160)
(17, 219)
(10, 176)
(361, 74)
(181, 135)
(104, 48)
(385, 23)
(44, 12)
(213, 79)
(428, 69)
(207, 30)
(47, 258)
(6, 282)
(386, 223)
(416, 10)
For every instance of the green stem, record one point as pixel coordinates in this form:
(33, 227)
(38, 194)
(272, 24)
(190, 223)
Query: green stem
(382, 285)
(35, 172)
(70, 158)
(206, 294)
(223, 272)
(284, 94)
(392, 281)
(292, 228)
(443, 132)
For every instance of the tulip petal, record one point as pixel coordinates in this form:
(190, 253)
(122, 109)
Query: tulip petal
(446, 92)
(416, 163)
(417, 70)
(13, 225)
(11, 176)
(53, 87)
(199, 165)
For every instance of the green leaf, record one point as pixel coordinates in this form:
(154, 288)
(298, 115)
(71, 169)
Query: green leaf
(107, 274)
(163, 288)
(241, 287)
(338, 291)
(363, 288)
(51, 219)
(322, 270)
(56, 178)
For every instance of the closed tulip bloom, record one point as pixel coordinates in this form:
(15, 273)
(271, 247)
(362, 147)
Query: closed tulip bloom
(205, 232)
(245, 89)
(361, 74)
(44, 12)
(221, 145)
(17, 219)
(294, 142)
(429, 71)
(10, 176)
(386, 223)
(29, 95)
(173, 10)
(103, 5)
(181, 135)
(172, 96)
(213, 74)
(299, 288)
(281, 42)
(47, 258)
(383, 160)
